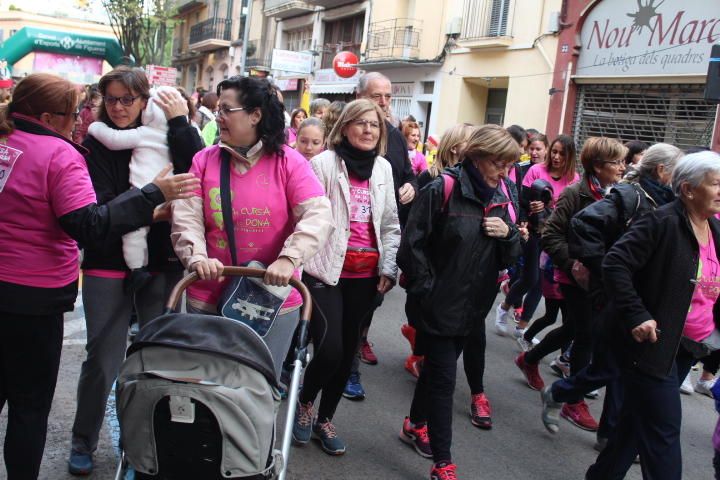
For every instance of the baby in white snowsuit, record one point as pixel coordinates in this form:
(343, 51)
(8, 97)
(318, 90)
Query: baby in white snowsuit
(150, 155)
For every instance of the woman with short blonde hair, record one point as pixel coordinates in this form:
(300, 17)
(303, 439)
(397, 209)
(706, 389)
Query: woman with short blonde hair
(451, 145)
(455, 284)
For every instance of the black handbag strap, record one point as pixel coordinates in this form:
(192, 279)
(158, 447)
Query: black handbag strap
(225, 202)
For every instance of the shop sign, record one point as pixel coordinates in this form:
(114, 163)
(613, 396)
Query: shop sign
(328, 75)
(403, 89)
(345, 64)
(289, 61)
(287, 84)
(652, 37)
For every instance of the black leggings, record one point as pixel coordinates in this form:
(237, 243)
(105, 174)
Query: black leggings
(711, 363)
(433, 399)
(576, 327)
(474, 357)
(552, 308)
(528, 282)
(30, 349)
(339, 314)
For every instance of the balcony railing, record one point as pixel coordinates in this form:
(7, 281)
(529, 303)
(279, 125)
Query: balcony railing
(286, 8)
(397, 39)
(211, 29)
(486, 19)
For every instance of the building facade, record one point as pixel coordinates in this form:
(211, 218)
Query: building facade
(634, 70)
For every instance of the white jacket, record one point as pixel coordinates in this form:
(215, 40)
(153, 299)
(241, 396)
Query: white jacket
(327, 264)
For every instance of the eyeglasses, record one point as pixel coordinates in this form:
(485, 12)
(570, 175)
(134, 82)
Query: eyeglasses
(75, 114)
(616, 163)
(125, 100)
(362, 123)
(224, 111)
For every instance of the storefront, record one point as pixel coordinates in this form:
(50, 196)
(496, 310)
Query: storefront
(638, 71)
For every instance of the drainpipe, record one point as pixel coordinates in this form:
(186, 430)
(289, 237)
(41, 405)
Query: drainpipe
(246, 35)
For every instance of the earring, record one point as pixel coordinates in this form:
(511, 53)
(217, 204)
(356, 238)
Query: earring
(690, 196)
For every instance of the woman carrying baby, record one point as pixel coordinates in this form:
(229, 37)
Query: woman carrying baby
(107, 299)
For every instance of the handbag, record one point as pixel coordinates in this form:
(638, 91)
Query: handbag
(245, 299)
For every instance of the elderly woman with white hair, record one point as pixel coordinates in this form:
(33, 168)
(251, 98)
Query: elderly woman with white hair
(664, 277)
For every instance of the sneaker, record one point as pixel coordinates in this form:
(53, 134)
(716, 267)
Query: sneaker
(480, 411)
(80, 464)
(353, 388)
(703, 387)
(687, 386)
(329, 441)
(595, 394)
(560, 367)
(518, 332)
(531, 373)
(525, 346)
(502, 317)
(550, 410)
(413, 364)
(302, 427)
(417, 436)
(518, 314)
(366, 353)
(443, 471)
(579, 415)
(409, 333)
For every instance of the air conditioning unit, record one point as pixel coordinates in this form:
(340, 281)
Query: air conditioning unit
(454, 26)
(553, 22)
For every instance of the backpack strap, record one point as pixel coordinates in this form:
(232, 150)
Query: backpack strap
(448, 184)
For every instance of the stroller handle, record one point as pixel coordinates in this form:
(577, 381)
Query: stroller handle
(188, 280)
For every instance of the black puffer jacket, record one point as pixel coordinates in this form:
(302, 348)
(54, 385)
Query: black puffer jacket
(649, 274)
(450, 264)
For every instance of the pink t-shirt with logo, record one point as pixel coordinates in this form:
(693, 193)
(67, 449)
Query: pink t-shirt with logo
(262, 203)
(699, 323)
(539, 171)
(419, 162)
(362, 231)
(48, 180)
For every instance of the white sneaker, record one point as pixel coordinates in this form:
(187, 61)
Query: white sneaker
(703, 387)
(560, 367)
(518, 332)
(593, 395)
(525, 346)
(687, 386)
(502, 317)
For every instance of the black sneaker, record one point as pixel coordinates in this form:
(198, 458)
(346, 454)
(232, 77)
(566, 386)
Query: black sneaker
(329, 441)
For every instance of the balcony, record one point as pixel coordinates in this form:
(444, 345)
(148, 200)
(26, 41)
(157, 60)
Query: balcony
(486, 23)
(396, 40)
(211, 34)
(330, 3)
(259, 61)
(285, 8)
(185, 6)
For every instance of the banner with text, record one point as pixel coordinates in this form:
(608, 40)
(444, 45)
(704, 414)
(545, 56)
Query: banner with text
(654, 37)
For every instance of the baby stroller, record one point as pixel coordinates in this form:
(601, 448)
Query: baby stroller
(198, 395)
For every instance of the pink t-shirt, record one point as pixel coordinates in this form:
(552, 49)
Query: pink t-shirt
(262, 203)
(539, 171)
(48, 180)
(362, 231)
(419, 162)
(699, 323)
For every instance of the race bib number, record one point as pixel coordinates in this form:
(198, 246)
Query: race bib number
(360, 210)
(8, 157)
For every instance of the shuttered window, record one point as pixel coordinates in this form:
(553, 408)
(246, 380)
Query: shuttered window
(675, 114)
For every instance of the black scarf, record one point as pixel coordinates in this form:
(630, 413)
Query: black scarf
(358, 162)
(662, 194)
(483, 191)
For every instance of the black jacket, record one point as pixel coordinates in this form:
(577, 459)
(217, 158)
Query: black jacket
(90, 225)
(450, 264)
(397, 155)
(649, 274)
(110, 175)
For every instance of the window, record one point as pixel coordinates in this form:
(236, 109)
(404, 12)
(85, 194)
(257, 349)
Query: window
(299, 40)
(342, 35)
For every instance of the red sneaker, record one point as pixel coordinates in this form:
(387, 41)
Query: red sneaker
(366, 354)
(417, 436)
(579, 415)
(413, 364)
(480, 411)
(409, 333)
(443, 471)
(531, 372)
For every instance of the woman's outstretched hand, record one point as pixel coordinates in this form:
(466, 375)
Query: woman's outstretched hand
(174, 187)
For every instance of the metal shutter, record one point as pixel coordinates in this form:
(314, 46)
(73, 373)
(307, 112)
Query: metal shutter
(675, 114)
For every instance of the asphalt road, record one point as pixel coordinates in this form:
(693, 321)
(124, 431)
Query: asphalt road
(518, 446)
